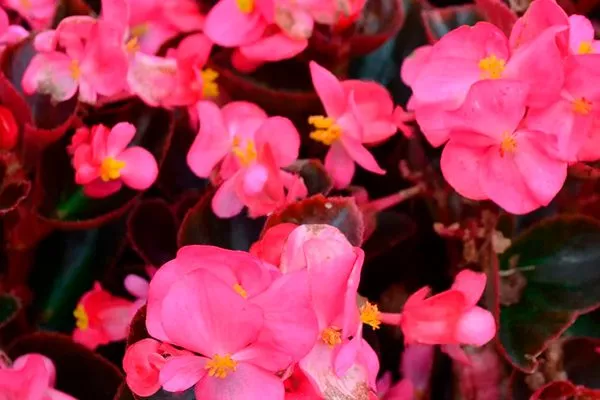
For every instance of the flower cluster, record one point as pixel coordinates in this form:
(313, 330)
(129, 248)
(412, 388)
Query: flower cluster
(514, 111)
(230, 325)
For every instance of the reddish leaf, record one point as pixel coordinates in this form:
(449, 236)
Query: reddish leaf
(9, 130)
(497, 13)
(13, 322)
(79, 371)
(14, 187)
(340, 212)
(380, 20)
(124, 393)
(137, 329)
(439, 21)
(152, 231)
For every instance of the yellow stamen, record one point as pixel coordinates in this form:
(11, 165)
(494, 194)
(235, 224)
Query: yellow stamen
(508, 144)
(491, 67)
(582, 106)
(139, 30)
(133, 45)
(326, 130)
(369, 314)
(220, 366)
(240, 290)
(209, 86)
(585, 47)
(75, 70)
(111, 169)
(26, 4)
(245, 6)
(246, 155)
(332, 336)
(82, 321)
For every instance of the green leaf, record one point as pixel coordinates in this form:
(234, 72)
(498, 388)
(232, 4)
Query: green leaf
(559, 258)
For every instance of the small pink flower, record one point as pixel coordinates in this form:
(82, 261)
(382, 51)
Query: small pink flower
(490, 155)
(233, 23)
(357, 112)
(458, 319)
(30, 377)
(105, 163)
(102, 318)
(142, 364)
(10, 34)
(239, 138)
(581, 36)
(271, 245)
(38, 13)
(93, 63)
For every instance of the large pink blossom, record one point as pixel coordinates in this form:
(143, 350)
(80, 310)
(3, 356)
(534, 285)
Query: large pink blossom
(239, 140)
(357, 113)
(30, 377)
(103, 162)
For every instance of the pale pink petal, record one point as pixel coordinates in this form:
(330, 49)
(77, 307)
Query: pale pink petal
(49, 73)
(45, 41)
(254, 179)
(228, 26)
(99, 188)
(476, 327)
(226, 203)
(285, 144)
(182, 372)
(119, 137)
(212, 142)
(115, 321)
(581, 30)
(361, 155)
(329, 89)
(460, 167)
(140, 170)
(136, 286)
(275, 47)
(255, 384)
(339, 165)
(471, 284)
(152, 78)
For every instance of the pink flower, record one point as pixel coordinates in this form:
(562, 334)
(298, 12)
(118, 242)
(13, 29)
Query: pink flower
(541, 15)
(10, 34)
(105, 163)
(471, 54)
(357, 112)
(38, 13)
(93, 62)
(233, 23)
(581, 36)
(490, 155)
(239, 137)
(102, 318)
(449, 318)
(30, 377)
(271, 244)
(242, 318)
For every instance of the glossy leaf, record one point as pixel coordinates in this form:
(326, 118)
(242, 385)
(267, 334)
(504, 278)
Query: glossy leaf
(558, 257)
(380, 20)
(340, 212)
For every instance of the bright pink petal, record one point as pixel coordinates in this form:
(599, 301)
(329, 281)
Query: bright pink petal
(275, 47)
(581, 31)
(361, 155)
(99, 188)
(49, 73)
(471, 284)
(212, 142)
(182, 372)
(434, 122)
(460, 167)
(285, 144)
(226, 203)
(196, 47)
(542, 15)
(228, 26)
(329, 89)
(141, 375)
(243, 118)
(339, 165)
(413, 64)
(140, 170)
(476, 327)
(136, 286)
(115, 321)
(119, 137)
(558, 120)
(255, 384)
(202, 314)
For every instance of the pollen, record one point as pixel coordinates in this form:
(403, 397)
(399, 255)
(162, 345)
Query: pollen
(326, 130)
(240, 290)
(26, 4)
(111, 169)
(220, 366)
(331, 336)
(585, 47)
(508, 144)
(491, 67)
(245, 6)
(582, 106)
(139, 30)
(82, 321)
(132, 45)
(75, 70)
(245, 154)
(209, 86)
(369, 314)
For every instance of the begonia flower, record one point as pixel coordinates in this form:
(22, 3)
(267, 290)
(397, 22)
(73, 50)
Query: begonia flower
(30, 377)
(10, 34)
(104, 163)
(271, 244)
(102, 318)
(38, 13)
(540, 15)
(581, 36)
(232, 23)
(356, 112)
(239, 139)
(448, 318)
(491, 156)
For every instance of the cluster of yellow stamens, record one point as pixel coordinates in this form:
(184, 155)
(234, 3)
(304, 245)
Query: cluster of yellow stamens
(245, 154)
(82, 321)
(331, 336)
(369, 315)
(209, 86)
(326, 130)
(75, 69)
(240, 290)
(245, 6)
(220, 366)
(508, 144)
(585, 47)
(582, 106)
(491, 67)
(111, 169)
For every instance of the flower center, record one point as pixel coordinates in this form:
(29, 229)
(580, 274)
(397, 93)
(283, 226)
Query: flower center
(133, 45)
(326, 130)
(585, 47)
(209, 86)
(111, 169)
(491, 67)
(246, 155)
(245, 6)
(81, 318)
(582, 106)
(139, 30)
(220, 366)
(331, 336)
(26, 4)
(508, 144)
(240, 290)
(75, 70)
(369, 314)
